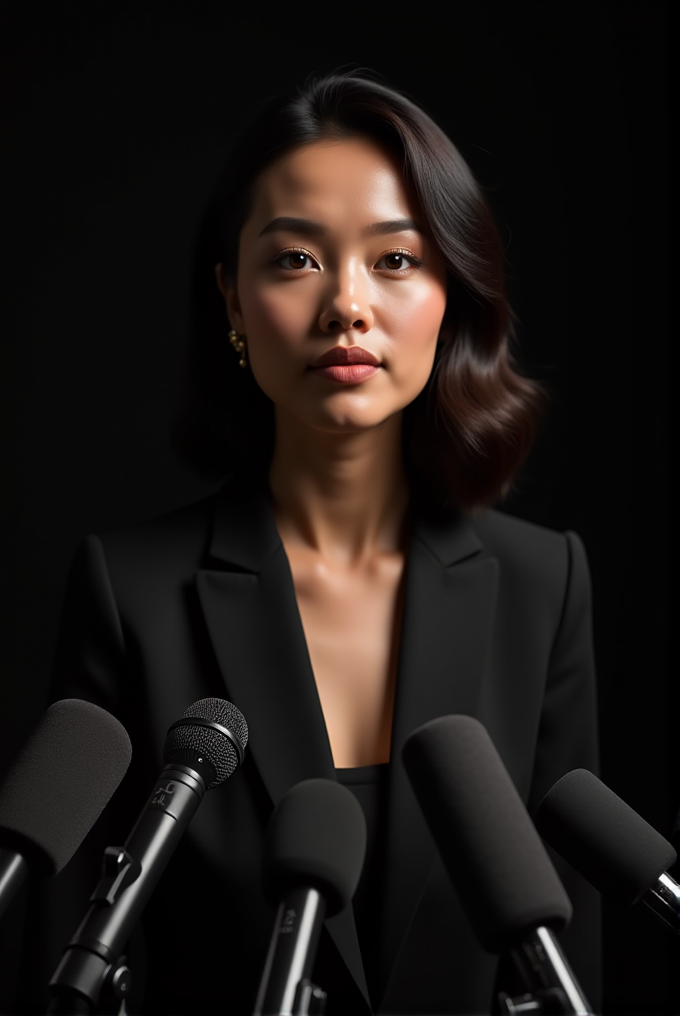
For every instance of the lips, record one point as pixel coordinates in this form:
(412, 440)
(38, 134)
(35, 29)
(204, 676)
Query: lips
(345, 356)
(346, 365)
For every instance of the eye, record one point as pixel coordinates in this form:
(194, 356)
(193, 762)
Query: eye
(399, 261)
(294, 260)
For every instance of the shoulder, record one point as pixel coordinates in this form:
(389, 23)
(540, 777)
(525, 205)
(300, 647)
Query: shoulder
(233, 520)
(516, 540)
(534, 557)
(158, 550)
(140, 563)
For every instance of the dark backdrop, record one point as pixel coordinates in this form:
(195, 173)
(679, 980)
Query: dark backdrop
(115, 120)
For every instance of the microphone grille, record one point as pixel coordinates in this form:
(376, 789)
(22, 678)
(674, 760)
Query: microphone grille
(501, 871)
(316, 837)
(602, 837)
(61, 781)
(222, 742)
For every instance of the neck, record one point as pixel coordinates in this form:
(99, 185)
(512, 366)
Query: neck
(341, 495)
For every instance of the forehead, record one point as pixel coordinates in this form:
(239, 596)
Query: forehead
(333, 179)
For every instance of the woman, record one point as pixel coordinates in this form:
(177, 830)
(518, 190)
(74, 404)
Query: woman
(349, 581)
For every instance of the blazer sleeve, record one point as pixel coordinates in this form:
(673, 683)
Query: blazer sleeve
(94, 661)
(90, 663)
(568, 739)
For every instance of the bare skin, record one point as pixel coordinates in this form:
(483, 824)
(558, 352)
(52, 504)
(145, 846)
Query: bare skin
(342, 526)
(355, 270)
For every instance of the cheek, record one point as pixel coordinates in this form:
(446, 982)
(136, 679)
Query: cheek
(416, 321)
(275, 314)
(274, 321)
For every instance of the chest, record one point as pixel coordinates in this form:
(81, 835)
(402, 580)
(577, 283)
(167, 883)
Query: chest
(352, 624)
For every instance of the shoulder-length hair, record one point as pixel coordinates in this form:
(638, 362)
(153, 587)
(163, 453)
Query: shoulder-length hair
(470, 429)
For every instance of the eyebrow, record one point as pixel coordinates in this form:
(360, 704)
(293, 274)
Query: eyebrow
(289, 223)
(394, 226)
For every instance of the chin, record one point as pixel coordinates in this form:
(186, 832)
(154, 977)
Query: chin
(345, 412)
(353, 422)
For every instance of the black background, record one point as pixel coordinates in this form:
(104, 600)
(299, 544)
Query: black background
(115, 121)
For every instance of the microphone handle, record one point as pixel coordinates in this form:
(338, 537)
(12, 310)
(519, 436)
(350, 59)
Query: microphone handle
(13, 872)
(292, 952)
(544, 967)
(664, 899)
(90, 962)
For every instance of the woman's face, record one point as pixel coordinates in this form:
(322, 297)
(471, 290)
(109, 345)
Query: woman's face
(339, 292)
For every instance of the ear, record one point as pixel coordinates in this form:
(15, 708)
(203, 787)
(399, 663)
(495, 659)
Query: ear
(231, 300)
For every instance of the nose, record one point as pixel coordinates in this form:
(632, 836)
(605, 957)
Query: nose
(347, 304)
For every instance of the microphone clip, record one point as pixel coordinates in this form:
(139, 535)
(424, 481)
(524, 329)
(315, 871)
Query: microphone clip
(310, 1000)
(114, 987)
(550, 1002)
(119, 870)
(544, 968)
(91, 978)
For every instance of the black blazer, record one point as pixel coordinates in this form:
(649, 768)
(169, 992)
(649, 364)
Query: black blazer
(496, 625)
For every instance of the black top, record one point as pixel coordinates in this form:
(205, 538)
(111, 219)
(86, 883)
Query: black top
(369, 786)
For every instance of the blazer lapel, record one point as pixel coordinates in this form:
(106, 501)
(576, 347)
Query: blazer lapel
(249, 604)
(250, 609)
(448, 613)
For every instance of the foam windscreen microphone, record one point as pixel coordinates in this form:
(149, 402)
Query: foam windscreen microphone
(313, 857)
(607, 842)
(56, 789)
(203, 748)
(506, 883)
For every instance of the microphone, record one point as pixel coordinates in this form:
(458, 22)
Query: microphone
(202, 749)
(608, 843)
(55, 791)
(501, 871)
(313, 856)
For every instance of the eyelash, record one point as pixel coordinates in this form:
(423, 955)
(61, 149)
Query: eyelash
(415, 262)
(277, 260)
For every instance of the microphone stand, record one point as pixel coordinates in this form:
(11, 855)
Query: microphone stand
(663, 898)
(285, 987)
(93, 976)
(555, 990)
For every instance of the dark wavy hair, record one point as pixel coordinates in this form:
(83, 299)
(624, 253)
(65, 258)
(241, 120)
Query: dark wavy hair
(470, 429)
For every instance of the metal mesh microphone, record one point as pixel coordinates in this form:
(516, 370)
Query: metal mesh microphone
(203, 748)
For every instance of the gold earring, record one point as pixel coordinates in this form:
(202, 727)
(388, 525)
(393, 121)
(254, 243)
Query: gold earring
(239, 344)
